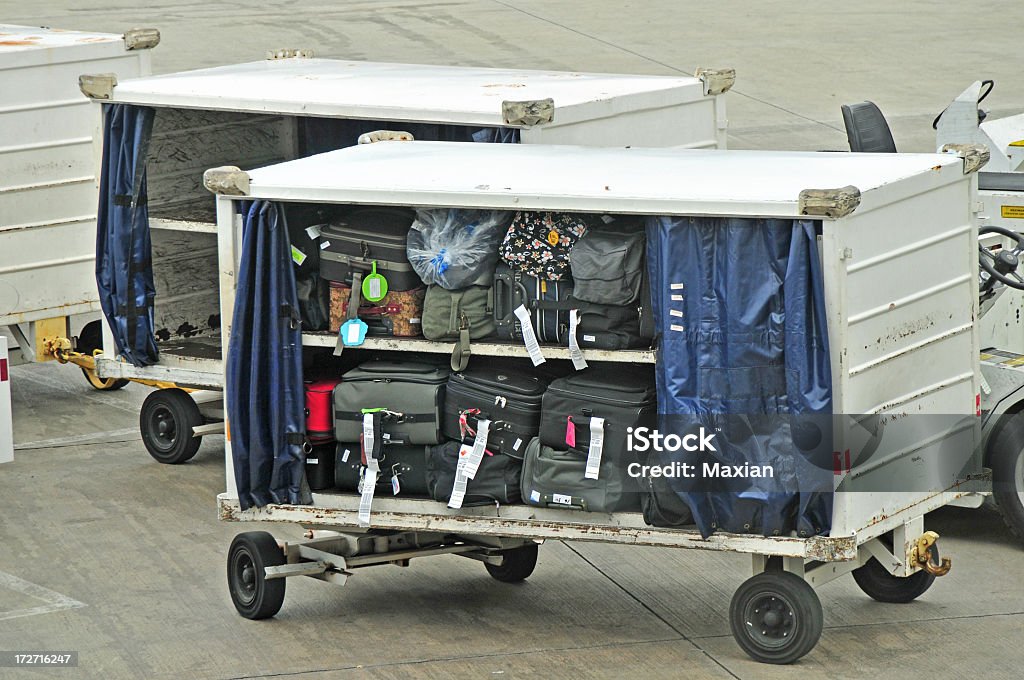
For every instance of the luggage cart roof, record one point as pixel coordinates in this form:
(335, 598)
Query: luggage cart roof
(637, 180)
(402, 92)
(30, 45)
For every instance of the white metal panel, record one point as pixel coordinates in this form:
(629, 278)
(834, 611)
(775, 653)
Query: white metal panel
(902, 291)
(403, 92)
(48, 187)
(639, 180)
(6, 422)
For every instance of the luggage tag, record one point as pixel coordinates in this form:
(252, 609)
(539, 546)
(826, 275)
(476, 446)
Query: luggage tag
(575, 353)
(461, 481)
(353, 332)
(570, 433)
(395, 485)
(529, 336)
(371, 425)
(596, 448)
(476, 454)
(375, 286)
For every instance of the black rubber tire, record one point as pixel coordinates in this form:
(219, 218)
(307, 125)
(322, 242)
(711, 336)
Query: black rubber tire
(253, 595)
(878, 584)
(91, 338)
(166, 423)
(516, 564)
(1006, 459)
(776, 617)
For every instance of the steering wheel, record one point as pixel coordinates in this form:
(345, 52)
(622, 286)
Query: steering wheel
(1002, 265)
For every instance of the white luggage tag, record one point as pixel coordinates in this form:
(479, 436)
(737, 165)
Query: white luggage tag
(529, 336)
(575, 353)
(596, 448)
(461, 481)
(476, 454)
(372, 471)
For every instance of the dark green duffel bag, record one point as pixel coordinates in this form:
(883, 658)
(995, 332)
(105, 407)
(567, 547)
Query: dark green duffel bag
(556, 479)
(496, 480)
(460, 316)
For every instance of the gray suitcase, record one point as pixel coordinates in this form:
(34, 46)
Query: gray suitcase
(411, 394)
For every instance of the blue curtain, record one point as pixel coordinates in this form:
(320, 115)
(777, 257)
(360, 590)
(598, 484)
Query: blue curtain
(264, 366)
(739, 307)
(124, 273)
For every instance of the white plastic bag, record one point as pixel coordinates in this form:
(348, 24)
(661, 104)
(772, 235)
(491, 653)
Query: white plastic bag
(455, 248)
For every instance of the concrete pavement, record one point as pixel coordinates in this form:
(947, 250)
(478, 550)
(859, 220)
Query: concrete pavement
(126, 556)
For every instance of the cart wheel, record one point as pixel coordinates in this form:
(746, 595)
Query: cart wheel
(776, 617)
(516, 564)
(878, 584)
(166, 423)
(1006, 458)
(90, 339)
(254, 596)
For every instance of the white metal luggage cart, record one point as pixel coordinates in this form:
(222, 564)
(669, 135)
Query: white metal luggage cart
(901, 329)
(48, 185)
(252, 114)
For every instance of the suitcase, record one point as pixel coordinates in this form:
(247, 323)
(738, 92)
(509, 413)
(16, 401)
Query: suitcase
(399, 314)
(542, 298)
(407, 463)
(365, 236)
(509, 399)
(319, 423)
(410, 392)
(556, 478)
(624, 396)
(496, 480)
(320, 467)
(612, 327)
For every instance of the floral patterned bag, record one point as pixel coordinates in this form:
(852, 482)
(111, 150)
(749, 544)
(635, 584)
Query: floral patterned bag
(538, 243)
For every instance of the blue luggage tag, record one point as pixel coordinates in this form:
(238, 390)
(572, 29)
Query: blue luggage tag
(353, 332)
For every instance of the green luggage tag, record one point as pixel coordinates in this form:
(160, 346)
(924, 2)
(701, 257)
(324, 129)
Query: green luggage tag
(375, 286)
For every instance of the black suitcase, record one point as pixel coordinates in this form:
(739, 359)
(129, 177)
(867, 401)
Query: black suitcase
(410, 394)
(509, 399)
(612, 327)
(320, 467)
(624, 396)
(545, 300)
(407, 463)
(365, 236)
(495, 481)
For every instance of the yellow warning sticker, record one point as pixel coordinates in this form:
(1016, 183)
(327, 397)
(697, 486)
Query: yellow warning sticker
(1012, 211)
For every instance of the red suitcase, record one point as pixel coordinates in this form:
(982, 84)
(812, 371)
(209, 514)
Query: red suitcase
(319, 420)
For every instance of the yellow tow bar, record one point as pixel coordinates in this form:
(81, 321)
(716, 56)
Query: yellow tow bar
(62, 351)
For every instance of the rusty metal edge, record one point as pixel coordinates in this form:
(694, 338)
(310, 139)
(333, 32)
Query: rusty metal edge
(821, 548)
(716, 80)
(528, 113)
(141, 38)
(974, 156)
(829, 202)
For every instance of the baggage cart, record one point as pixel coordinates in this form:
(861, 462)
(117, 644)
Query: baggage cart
(902, 337)
(292, 105)
(48, 183)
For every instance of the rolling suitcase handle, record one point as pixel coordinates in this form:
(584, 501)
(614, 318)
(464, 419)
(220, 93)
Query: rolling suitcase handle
(556, 500)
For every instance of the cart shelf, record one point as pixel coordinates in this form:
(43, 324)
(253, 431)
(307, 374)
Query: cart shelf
(335, 511)
(485, 348)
